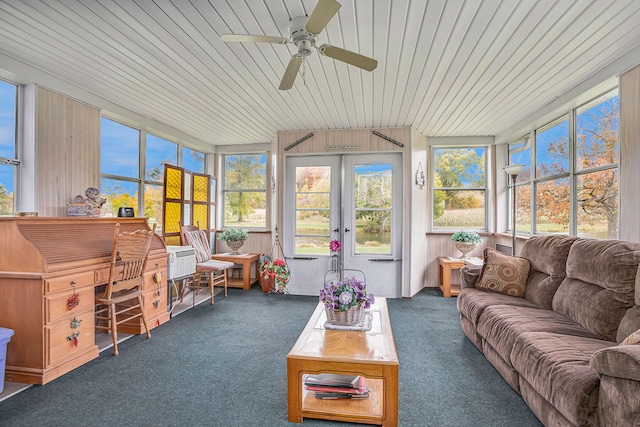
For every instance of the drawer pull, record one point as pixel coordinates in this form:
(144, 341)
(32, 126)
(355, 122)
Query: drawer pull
(74, 282)
(156, 303)
(73, 338)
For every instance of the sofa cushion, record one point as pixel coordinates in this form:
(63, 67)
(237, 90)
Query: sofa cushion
(633, 338)
(600, 284)
(557, 367)
(548, 257)
(501, 325)
(472, 302)
(503, 273)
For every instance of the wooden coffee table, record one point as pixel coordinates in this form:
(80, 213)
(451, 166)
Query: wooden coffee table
(371, 354)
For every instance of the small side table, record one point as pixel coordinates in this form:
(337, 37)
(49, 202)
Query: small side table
(245, 260)
(445, 265)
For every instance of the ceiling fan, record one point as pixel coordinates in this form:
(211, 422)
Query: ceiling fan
(303, 33)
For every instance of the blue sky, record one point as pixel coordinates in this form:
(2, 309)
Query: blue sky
(7, 132)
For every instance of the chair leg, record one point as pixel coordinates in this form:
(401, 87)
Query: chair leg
(114, 327)
(144, 319)
(224, 272)
(211, 287)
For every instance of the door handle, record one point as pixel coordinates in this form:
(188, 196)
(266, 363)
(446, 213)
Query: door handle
(346, 230)
(304, 257)
(337, 230)
(383, 259)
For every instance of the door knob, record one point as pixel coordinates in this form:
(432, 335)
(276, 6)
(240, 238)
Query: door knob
(346, 230)
(337, 230)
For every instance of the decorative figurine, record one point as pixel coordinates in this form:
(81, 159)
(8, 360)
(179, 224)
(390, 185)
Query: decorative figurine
(87, 206)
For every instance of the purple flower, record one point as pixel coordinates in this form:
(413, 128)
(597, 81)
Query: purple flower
(335, 245)
(345, 298)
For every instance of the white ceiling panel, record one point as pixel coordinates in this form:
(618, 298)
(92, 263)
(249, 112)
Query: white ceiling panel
(445, 67)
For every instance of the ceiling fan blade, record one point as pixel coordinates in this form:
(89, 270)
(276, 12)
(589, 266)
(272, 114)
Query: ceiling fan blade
(321, 15)
(291, 72)
(252, 38)
(349, 57)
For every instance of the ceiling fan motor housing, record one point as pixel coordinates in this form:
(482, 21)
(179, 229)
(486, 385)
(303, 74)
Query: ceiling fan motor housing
(303, 40)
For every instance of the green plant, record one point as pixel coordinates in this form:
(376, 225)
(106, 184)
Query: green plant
(233, 234)
(466, 237)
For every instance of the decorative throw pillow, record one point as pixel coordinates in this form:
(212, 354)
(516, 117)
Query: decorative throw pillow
(198, 241)
(634, 338)
(503, 273)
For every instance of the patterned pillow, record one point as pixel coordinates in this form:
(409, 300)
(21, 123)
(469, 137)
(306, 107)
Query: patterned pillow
(634, 338)
(198, 241)
(503, 273)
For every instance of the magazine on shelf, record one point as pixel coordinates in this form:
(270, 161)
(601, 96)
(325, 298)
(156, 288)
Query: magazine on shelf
(332, 380)
(335, 388)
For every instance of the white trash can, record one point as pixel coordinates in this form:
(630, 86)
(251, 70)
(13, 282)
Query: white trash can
(5, 337)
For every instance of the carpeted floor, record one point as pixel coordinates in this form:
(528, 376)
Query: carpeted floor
(225, 365)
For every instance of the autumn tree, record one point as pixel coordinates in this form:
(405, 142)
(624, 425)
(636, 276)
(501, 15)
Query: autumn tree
(6, 201)
(455, 170)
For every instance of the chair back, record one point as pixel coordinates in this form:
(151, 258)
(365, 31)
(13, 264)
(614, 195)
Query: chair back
(192, 236)
(128, 260)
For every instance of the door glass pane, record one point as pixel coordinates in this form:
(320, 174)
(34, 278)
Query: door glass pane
(312, 204)
(372, 201)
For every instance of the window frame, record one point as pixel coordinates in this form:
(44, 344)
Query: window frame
(485, 189)
(572, 175)
(224, 191)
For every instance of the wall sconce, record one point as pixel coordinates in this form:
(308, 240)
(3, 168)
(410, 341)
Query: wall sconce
(420, 180)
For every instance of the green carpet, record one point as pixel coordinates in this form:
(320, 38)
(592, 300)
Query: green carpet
(225, 365)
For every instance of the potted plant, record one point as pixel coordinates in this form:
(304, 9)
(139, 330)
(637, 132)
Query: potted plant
(345, 300)
(234, 237)
(274, 275)
(466, 241)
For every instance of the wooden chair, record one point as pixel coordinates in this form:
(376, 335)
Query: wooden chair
(209, 272)
(122, 298)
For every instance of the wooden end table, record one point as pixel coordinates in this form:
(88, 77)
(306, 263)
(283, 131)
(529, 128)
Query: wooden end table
(245, 260)
(371, 354)
(445, 265)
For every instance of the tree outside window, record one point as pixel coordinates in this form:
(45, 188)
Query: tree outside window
(245, 190)
(459, 193)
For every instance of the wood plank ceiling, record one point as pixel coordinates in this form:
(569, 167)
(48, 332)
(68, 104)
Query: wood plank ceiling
(447, 68)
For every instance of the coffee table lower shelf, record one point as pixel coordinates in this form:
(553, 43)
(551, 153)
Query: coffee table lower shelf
(355, 410)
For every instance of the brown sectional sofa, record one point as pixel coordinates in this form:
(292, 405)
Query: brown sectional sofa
(559, 345)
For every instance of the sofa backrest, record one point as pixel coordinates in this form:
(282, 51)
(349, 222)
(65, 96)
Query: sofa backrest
(548, 257)
(599, 290)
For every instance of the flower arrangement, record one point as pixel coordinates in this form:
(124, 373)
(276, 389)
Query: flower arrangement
(335, 245)
(233, 234)
(343, 294)
(466, 237)
(277, 270)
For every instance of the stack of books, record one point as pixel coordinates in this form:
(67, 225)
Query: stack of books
(336, 386)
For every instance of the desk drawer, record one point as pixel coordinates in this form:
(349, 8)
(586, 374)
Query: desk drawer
(56, 305)
(59, 337)
(84, 278)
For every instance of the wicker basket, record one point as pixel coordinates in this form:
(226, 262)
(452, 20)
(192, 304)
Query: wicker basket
(353, 316)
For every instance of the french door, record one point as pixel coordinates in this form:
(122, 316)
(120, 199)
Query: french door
(355, 199)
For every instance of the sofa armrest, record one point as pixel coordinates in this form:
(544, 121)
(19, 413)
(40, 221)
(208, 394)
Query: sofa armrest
(617, 361)
(469, 275)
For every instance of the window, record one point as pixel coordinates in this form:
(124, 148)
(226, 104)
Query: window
(575, 186)
(245, 190)
(120, 166)
(459, 188)
(8, 159)
(120, 169)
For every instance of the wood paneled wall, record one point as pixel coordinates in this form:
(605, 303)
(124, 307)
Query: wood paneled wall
(67, 151)
(629, 154)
